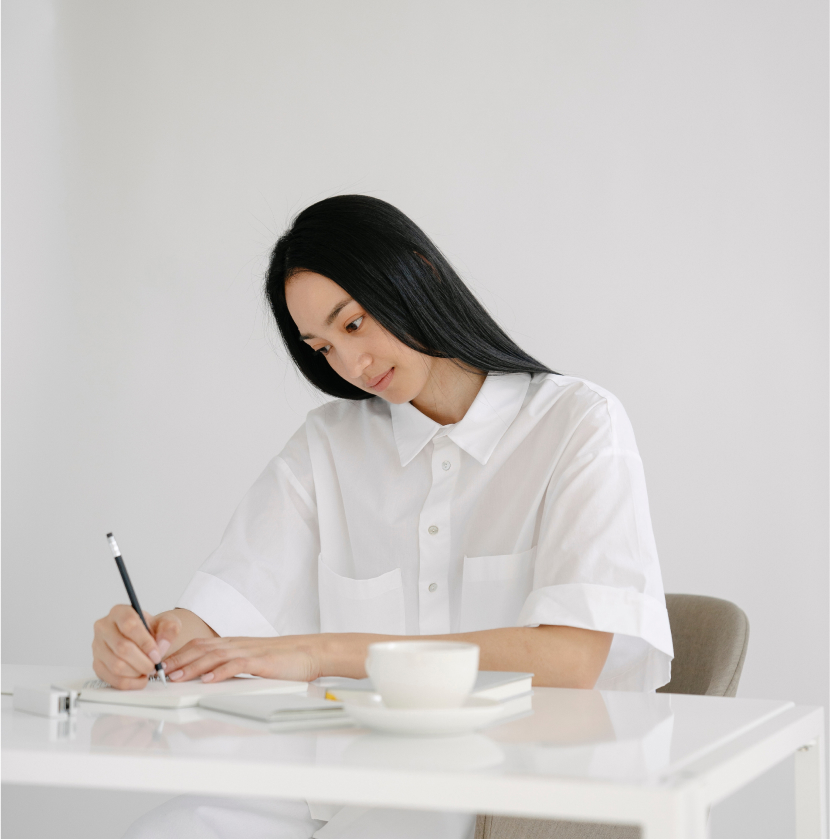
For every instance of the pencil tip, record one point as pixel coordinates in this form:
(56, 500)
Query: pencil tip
(109, 535)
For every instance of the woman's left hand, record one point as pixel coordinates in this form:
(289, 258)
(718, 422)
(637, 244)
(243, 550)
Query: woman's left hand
(295, 657)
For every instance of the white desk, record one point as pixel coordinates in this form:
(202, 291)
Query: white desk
(656, 760)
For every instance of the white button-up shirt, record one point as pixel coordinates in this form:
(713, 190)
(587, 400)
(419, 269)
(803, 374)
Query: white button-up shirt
(531, 510)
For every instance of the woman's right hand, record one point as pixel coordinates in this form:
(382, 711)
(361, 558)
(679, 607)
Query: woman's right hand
(124, 652)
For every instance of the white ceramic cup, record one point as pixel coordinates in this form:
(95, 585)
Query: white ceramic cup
(423, 674)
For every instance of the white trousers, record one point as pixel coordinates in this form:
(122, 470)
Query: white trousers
(209, 817)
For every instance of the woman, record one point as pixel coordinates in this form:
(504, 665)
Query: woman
(455, 487)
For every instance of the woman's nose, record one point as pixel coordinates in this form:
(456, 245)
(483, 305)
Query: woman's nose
(356, 365)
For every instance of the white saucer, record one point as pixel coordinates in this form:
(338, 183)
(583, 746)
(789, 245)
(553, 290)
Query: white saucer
(472, 715)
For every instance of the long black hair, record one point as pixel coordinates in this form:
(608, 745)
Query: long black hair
(390, 267)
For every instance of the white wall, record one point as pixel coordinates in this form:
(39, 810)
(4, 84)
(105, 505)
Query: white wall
(636, 190)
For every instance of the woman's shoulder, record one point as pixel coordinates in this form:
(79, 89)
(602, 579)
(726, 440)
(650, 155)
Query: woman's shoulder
(340, 419)
(573, 400)
(547, 389)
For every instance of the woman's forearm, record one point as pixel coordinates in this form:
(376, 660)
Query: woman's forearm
(559, 656)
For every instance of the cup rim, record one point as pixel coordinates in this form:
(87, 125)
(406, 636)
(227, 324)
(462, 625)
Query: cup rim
(422, 646)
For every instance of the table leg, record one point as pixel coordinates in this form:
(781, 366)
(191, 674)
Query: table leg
(690, 820)
(810, 792)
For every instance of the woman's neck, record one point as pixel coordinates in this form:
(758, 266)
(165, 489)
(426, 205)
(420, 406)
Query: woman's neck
(449, 391)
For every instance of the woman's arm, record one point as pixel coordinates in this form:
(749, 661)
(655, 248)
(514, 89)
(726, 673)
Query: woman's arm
(124, 653)
(560, 656)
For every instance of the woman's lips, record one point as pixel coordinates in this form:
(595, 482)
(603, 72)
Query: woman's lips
(380, 383)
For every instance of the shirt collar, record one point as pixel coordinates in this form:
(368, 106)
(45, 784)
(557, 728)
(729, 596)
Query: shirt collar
(478, 433)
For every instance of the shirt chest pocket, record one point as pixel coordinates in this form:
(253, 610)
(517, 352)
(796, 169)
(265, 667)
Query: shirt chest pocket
(494, 589)
(374, 605)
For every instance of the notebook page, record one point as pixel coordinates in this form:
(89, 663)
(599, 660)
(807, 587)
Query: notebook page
(157, 694)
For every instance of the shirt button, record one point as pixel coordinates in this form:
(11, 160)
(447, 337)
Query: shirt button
(433, 586)
(432, 530)
(446, 466)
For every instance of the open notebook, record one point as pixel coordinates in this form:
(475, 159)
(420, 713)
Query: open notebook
(281, 713)
(156, 694)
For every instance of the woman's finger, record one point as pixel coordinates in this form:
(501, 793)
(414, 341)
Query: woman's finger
(101, 652)
(119, 682)
(165, 630)
(233, 668)
(123, 648)
(190, 652)
(204, 663)
(129, 624)
(113, 663)
(295, 665)
(198, 647)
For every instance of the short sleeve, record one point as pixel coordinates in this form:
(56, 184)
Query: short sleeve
(262, 579)
(596, 563)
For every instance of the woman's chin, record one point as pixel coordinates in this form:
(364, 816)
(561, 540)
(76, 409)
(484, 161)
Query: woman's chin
(397, 395)
(394, 398)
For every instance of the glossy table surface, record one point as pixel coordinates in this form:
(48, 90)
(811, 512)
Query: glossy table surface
(619, 742)
(633, 738)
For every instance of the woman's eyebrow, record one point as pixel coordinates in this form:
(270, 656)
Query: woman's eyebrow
(332, 315)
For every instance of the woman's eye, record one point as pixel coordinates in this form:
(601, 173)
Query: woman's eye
(322, 351)
(354, 325)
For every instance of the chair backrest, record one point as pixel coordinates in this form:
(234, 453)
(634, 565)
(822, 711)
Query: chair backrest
(710, 638)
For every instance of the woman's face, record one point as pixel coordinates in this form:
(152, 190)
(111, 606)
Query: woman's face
(358, 348)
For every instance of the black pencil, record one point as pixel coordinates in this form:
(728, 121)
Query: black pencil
(131, 592)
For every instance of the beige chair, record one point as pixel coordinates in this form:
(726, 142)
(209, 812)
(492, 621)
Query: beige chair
(710, 637)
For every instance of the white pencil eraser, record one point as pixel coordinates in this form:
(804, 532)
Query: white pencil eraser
(44, 700)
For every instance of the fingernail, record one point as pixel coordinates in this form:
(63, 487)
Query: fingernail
(176, 675)
(164, 646)
(155, 656)
(208, 677)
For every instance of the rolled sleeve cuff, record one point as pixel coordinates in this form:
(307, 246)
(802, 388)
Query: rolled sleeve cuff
(601, 608)
(623, 613)
(223, 608)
